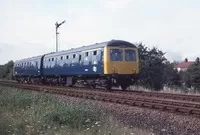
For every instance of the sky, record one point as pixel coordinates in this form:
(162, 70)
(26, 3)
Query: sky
(27, 28)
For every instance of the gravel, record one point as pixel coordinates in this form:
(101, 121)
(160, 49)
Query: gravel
(158, 122)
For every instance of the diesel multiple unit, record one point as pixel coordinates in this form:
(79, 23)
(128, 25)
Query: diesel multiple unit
(107, 64)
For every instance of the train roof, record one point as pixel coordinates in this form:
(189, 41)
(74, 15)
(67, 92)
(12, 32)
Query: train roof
(93, 46)
(29, 59)
(82, 48)
(120, 43)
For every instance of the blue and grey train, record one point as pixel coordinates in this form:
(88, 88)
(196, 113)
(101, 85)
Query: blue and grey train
(106, 64)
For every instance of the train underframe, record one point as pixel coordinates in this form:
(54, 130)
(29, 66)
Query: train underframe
(106, 81)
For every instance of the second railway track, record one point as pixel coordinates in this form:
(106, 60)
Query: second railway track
(189, 108)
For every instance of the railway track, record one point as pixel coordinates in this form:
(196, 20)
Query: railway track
(183, 107)
(173, 96)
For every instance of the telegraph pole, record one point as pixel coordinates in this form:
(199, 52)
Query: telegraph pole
(57, 26)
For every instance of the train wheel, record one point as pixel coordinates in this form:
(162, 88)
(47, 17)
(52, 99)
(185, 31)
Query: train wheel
(93, 86)
(124, 86)
(108, 85)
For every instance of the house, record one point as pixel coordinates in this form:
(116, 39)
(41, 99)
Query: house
(183, 66)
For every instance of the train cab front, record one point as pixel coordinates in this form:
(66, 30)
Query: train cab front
(121, 63)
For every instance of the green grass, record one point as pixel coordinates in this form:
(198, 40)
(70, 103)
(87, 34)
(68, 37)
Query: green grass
(32, 113)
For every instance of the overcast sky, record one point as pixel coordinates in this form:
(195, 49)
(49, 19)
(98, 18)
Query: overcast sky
(27, 28)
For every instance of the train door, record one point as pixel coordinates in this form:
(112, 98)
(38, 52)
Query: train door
(42, 65)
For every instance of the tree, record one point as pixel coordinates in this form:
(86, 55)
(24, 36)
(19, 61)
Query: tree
(6, 70)
(152, 64)
(193, 75)
(171, 76)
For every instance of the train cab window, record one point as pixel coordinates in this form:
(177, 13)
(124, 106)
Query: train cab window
(95, 53)
(116, 54)
(130, 55)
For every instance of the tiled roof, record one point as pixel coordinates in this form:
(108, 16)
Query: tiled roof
(184, 64)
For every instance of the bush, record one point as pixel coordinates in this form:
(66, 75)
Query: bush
(152, 65)
(193, 76)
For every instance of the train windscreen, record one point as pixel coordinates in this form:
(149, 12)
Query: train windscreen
(130, 55)
(116, 54)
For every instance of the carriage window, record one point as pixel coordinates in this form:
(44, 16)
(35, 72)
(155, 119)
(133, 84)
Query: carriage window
(61, 57)
(116, 54)
(86, 53)
(67, 57)
(52, 59)
(95, 53)
(130, 55)
(74, 55)
(79, 57)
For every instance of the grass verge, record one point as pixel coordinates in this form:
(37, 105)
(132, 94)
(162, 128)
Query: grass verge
(32, 113)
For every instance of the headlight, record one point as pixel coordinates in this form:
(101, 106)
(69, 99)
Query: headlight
(113, 69)
(134, 70)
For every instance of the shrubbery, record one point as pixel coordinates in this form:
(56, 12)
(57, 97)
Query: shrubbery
(6, 70)
(192, 76)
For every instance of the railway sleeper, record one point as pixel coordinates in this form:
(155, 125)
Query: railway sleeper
(195, 111)
(184, 110)
(120, 101)
(148, 105)
(139, 103)
(171, 108)
(157, 106)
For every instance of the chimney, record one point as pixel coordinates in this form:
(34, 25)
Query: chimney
(197, 60)
(186, 60)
